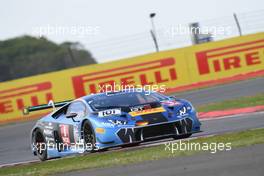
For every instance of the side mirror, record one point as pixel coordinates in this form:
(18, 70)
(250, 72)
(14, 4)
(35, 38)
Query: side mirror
(71, 115)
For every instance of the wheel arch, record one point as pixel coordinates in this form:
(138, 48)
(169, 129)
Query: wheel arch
(33, 131)
(90, 124)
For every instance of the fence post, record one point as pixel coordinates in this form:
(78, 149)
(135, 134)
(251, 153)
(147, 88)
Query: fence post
(238, 25)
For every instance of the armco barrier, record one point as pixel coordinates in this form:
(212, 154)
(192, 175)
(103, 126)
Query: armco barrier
(174, 68)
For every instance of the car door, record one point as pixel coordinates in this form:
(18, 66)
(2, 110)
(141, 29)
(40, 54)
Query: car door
(67, 122)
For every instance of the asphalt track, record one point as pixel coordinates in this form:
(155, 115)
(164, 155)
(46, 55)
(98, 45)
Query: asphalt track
(239, 161)
(14, 139)
(224, 92)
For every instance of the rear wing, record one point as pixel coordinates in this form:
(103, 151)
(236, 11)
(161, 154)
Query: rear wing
(51, 104)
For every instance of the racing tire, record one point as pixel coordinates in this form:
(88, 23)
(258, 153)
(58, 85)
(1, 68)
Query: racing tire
(89, 136)
(40, 142)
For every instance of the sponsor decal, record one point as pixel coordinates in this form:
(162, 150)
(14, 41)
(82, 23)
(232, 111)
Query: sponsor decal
(147, 111)
(109, 112)
(12, 100)
(48, 132)
(126, 75)
(230, 57)
(108, 125)
(182, 111)
(117, 122)
(140, 108)
(64, 131)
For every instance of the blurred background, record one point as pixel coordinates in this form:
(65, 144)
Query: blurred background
(59, 35)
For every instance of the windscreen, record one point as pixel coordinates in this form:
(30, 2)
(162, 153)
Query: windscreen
(121, 99)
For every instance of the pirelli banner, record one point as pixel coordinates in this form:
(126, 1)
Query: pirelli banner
(173, 68)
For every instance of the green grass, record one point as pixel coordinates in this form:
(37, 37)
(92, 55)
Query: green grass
(234, 103)
(115, 158)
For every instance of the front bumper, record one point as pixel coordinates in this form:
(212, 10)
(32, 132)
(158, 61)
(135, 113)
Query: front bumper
(168, 129)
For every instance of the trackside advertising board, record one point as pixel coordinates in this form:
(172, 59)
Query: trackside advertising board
(173, 68)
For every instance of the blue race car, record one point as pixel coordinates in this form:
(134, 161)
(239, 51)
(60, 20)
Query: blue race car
(104, 120)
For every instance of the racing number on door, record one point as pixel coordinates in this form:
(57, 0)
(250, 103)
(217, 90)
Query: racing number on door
(64, 131)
